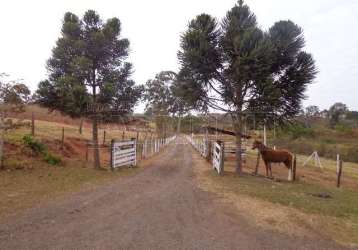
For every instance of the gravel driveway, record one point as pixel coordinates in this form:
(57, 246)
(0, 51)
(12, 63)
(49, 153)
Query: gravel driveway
(159, 208)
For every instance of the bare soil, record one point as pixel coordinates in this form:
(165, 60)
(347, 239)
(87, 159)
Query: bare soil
(161, 207)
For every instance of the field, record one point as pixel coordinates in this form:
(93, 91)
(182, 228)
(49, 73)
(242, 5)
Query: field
(310, 207)
(27, 179)
(311, 204)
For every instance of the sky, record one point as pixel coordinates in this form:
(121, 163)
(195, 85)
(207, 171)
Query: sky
(29, 30)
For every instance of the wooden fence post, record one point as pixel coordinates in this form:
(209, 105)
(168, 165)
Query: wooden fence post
(294, 168)
(257, 163)
(209, 145)
(339, 173)
(33, 124)
(63, 137)
(87, 151)
(81, 125)
(111, 154)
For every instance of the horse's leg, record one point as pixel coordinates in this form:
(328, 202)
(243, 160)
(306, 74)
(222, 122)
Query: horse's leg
(266, 168)
(270, 170)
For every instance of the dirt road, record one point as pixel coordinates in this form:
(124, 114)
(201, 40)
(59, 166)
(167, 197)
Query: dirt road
(159, 208)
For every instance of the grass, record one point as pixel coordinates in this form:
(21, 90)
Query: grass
(25, 183)
(290, 208)
(298, 195)
(28, 180)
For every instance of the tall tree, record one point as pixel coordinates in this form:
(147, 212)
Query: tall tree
(312, 111)
(163, 98)
(14, 96)
(237, 68)
(336, 113)
(88, 72)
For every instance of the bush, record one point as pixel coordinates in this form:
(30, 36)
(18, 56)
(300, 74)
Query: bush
(40, 148)
(298, 130)
(351, 154)
(344, 129)
(36, 146)
(51, 159)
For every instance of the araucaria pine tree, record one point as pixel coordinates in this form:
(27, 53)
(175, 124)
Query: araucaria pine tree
(88, 68)
(238, 68)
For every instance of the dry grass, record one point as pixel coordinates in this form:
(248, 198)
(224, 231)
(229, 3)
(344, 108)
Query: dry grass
(286, 207)
(27, 182)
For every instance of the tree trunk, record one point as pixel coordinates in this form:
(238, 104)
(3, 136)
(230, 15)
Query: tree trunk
(96, 158)
(237, 120)
(179, 125)
(81, 125)
(96, 163)
(2, 132)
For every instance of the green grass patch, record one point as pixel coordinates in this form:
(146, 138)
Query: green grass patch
(298, 195)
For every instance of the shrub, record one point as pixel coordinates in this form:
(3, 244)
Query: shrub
(40, 148)
(351, 154)
(298, 130)
(36, 146)
(51, 159)
(344, 129)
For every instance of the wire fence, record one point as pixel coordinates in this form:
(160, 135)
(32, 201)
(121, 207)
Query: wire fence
(74, 138)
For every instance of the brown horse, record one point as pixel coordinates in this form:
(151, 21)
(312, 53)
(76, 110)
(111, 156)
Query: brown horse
(273, 156)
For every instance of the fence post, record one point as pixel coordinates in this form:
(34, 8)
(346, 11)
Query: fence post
(33, 124)
(294, 168)
(265, 138)
(87, 151)
(63, 137)
(111, 151)
(81, 125)
(104, 137)
(339, 173)
(209, 146)
(257, 163)
(135, 151)
(145, 149)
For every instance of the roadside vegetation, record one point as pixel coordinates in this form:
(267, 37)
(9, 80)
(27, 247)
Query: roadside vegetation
(309, 207)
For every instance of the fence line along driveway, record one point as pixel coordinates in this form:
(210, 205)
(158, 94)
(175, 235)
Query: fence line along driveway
(159, 208)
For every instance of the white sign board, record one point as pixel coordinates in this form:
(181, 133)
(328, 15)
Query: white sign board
(123, 153)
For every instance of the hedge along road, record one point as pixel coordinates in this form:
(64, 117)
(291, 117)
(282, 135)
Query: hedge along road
(159, 208)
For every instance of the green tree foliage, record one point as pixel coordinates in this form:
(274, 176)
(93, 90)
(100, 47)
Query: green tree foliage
(88, 72)
(14, 96)
(163, 96)
(336, 113)
(238, 68)
(312, 111)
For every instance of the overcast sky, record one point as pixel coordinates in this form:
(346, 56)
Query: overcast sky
(29, 30)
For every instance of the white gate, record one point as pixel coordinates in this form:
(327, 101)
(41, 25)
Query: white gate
(218, 157)
(123, 153)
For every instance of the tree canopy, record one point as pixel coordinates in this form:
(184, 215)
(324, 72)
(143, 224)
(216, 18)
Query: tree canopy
(163, 96)
(336, 113)
(236, 67)
(88, 71)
